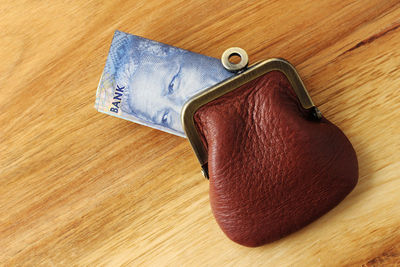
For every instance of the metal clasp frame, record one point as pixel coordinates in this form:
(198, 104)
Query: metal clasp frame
(244, 75)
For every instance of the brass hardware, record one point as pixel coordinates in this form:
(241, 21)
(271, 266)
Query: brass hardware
(228, 85)
(234, 67)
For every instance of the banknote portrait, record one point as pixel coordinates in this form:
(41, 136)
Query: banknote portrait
(154, 81)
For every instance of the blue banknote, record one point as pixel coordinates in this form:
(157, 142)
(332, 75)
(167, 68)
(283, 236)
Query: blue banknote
(148, 82)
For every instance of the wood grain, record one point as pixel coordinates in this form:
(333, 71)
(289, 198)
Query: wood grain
(82, 188)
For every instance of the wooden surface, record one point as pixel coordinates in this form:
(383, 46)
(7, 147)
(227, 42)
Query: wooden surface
(82, 188)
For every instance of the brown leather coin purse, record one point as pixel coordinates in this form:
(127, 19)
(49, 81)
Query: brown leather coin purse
(274, 163)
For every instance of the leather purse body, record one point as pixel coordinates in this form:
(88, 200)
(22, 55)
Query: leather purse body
(274, 163)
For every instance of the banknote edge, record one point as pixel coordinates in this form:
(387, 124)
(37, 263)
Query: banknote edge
(161, 128)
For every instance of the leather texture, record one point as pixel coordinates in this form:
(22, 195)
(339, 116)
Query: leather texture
(272, 169)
